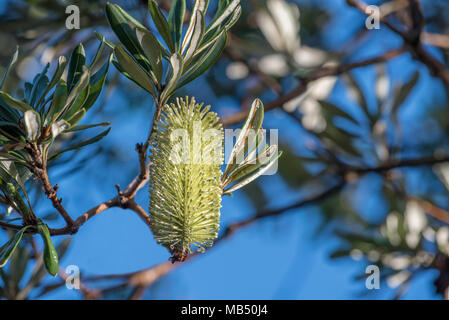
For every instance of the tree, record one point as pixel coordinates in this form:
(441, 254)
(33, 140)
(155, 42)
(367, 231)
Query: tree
(342, 127)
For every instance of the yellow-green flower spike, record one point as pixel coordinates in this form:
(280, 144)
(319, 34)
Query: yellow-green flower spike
(185, 184)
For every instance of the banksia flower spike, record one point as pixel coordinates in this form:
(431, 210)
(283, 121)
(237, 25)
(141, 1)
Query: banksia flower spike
(186, 182)
(185, 185)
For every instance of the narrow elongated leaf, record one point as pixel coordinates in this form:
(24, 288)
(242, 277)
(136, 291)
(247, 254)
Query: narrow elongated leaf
(51, 259)
(79, 101)
(59, 97)
(40, 84)
(201, 6)
(14, 103)
(32, 125)
(197, 34)
(62, 62)
(97, 82)
(99, 52)
(253, 122)
(81, 144)
(401, 93)
(126, 33)
(176, 62)
(73, 120)
(76, 63)
(8, 249)
(206, 61)
(10, 65)
(330, 111)
(88, 126)
(176, 20)
(254, 176)
(59, 127)
(246, 169)
(152, 50)
(134, 70)
(226, 13)
(161, 24)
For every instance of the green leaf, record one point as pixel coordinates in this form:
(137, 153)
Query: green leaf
(224, 13)
(88, 126)
(8, 249)
(331, 111)
(58, 127)
(73, 120)
(11, 63)
(78, 94)
(76, 63)
(152, 50)
(22, 208)
(62, 62)
(51, 259)
(176, 63)
(161, 24)
(59, 97)
(81, 144)
(14, 103)
(176, 20)
(134, 70)
(206, 61)
(97, 82)
(401, 93)
(126, 33)
(40, 84)
(255, 175)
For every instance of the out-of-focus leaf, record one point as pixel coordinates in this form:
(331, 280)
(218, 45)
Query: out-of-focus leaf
(10, 65)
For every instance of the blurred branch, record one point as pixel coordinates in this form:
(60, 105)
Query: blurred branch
(315, 75)
(412, 38)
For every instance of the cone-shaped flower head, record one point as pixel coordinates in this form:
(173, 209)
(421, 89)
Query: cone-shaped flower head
(185, 184)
